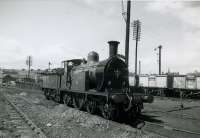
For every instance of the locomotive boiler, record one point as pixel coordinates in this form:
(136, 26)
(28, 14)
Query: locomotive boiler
(109, 74)
(94, 85)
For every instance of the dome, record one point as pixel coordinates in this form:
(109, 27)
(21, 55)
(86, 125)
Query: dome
(93, 57)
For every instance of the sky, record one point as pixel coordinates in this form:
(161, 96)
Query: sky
(57, 30)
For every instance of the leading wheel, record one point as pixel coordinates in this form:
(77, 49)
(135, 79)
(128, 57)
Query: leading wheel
(57, 98)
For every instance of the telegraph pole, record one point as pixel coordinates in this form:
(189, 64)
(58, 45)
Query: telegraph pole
(29, 64)
(159, 58)
(139, 67)
(49, 64)
(127, 32)
(160, 48)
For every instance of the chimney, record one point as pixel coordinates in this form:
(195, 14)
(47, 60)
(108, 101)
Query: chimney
(113, 47)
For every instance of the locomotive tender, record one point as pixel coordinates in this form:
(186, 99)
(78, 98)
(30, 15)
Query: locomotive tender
(95, 85)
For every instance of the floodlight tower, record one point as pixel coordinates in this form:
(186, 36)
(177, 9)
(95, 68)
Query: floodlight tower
(136, 36)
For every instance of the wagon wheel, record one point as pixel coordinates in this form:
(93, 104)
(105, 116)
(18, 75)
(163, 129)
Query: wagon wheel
(109, 112)
(91, 107)
(46, 93)
(57, 98)
(67, 99)
(78, 102)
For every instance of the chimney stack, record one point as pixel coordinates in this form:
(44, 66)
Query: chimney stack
(113, 47)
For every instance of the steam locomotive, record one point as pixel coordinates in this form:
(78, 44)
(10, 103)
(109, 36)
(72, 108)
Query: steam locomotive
(95, 85)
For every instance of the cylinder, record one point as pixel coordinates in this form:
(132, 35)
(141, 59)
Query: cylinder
(113, 47)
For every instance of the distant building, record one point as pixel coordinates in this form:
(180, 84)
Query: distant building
(20, 74)
(1, 76)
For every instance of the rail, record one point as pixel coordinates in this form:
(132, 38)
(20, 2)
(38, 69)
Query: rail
(167, 127)
(32, 125)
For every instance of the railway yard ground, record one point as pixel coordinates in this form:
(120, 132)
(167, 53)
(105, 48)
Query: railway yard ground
(168, 118)
(163, 118)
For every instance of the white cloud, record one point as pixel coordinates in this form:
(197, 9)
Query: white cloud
(184, 10)
(164, 6)
(183, 55)
(9, 47)
(191, 16)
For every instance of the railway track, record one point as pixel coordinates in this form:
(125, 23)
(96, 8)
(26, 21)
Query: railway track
(175, 112)
(19, 121)
(168, 131)
(176, 115)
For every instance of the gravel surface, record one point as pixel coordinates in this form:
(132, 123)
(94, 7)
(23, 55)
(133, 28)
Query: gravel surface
(57, 120)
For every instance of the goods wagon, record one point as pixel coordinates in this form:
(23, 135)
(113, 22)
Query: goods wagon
(171, 85)
(144, 80)
(198, 82)
(191, 82)
(51, 80)
(179, 82)
(161, 81)
(131, 80)
(152, 81)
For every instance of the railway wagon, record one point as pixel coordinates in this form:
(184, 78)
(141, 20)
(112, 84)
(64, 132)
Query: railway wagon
(93, 85)
(143, 80)
(179, 82)
(152, 81)
(165, 84)
(161, 81)
(157, 84)
(51, 81)
(132, 80)
(198, 82)
(191, 82)
(171, 85)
